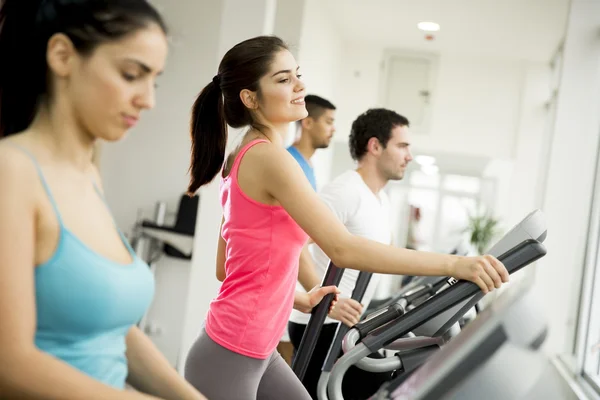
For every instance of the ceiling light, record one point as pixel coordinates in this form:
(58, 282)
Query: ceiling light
(425, 160)
(428, 26)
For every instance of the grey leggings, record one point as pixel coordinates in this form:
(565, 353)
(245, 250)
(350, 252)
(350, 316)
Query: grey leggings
(221, 374)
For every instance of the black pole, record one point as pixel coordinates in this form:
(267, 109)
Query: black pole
(333, 276)
(362, 282)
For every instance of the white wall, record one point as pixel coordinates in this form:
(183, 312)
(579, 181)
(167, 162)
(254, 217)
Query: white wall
(319, 52)
(516, 195)
(359, 77)
(529, 146)
(471, 113)
(503, 172)
(319, 58)
(289, 23)
(356, 90)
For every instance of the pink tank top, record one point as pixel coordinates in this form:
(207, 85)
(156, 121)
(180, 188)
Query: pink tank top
(251, 311)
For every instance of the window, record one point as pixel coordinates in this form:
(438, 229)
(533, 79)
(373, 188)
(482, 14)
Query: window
(421, 179)
(591, 365)
(460, 183)
(427, 202)
(443, 204)
(584, 360)
(454, 218)
(588, 337)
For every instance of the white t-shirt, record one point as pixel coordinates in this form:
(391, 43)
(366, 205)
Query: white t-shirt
(364, 214)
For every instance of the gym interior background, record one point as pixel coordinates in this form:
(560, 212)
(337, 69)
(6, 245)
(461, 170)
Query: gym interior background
(504, 102)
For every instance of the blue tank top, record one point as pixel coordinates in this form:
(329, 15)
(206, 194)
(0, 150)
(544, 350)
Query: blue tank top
(304, 164)
(87, 303)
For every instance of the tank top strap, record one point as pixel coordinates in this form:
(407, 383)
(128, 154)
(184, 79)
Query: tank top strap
(244, 150)
(42, 179)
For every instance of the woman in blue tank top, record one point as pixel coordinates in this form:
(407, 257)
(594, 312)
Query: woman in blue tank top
(71, 288)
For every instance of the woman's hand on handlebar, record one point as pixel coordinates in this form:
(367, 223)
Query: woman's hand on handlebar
(305, 302)
(486, 271)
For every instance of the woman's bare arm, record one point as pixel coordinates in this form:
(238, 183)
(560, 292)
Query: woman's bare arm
(150, 371)
(284, 181)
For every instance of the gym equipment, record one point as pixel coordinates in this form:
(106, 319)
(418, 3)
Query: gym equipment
(515, 259)
(435, 317)
(333, 276)
(480, 361)
(419, 283)
(176, 240)
(531, 227)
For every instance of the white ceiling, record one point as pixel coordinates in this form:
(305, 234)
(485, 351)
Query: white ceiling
(523, 29)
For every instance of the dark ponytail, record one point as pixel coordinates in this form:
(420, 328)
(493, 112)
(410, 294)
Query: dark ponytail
(208, 123)
(27, 25)
(219, 104)
(22, 69)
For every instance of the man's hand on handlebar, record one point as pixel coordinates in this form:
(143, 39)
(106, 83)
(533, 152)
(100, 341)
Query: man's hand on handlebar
(347, 311)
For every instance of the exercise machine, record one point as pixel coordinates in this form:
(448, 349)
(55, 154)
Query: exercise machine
(433, 330)
(432, 319)
(480, 362)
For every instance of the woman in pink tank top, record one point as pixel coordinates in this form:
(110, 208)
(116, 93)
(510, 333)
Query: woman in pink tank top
(269, 211)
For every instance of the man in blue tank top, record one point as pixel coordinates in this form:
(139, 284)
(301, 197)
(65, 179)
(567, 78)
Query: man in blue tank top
(317, 129)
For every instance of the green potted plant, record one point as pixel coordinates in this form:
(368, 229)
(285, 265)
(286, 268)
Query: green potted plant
(482, 230)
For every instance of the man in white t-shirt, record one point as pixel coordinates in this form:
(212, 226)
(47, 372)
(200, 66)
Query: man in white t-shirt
(379, 142)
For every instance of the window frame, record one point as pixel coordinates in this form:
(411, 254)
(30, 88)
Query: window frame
(589, 313)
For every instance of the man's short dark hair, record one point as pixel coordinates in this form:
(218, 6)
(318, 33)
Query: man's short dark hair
(375, 122)
(316, 106)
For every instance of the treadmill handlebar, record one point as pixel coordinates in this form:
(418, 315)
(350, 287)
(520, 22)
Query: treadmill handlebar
(516, 258)
(335, 348)
(333, 276)
(379, 318)
(362, 282)
(425, 290)
(441, 283)
(386, 314)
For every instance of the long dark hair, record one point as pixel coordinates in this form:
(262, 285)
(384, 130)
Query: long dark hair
(219, 104)
(27, 25)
